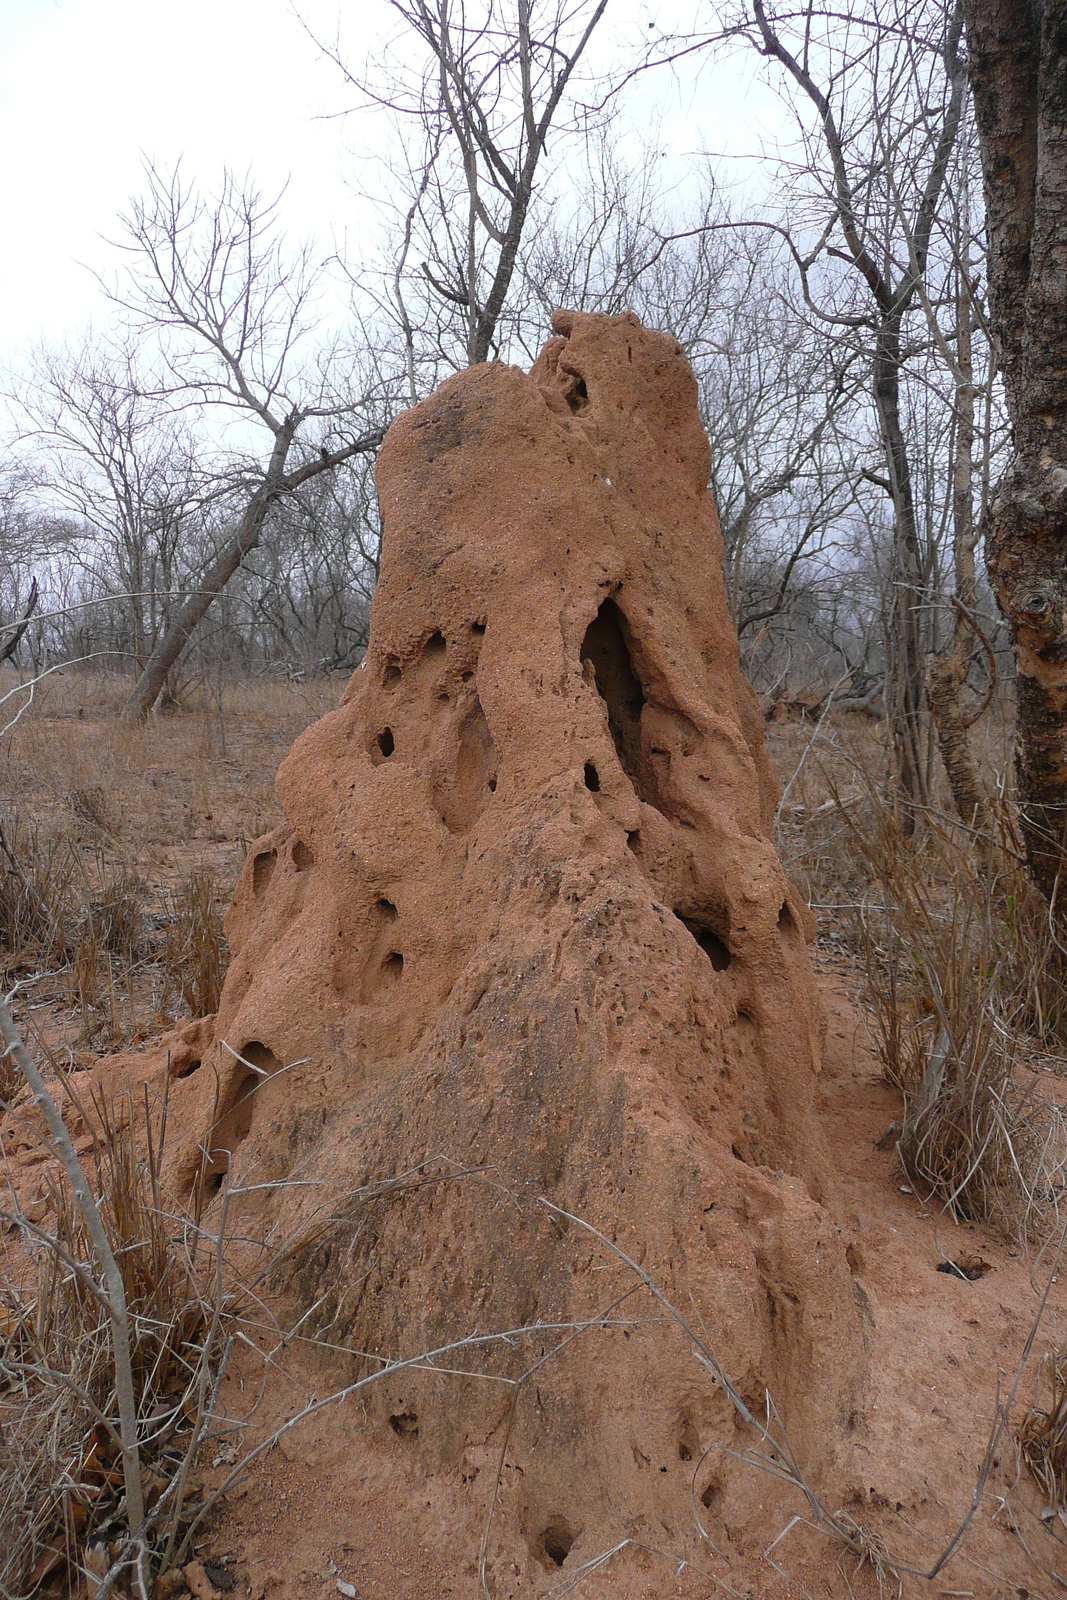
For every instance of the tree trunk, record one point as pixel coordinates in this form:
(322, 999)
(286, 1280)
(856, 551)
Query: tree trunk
(946, 674)
(904, 686)
(12, 634)
(276, 482)
(1017, 61)
(904, 700)
(150, 684)
(137, 622)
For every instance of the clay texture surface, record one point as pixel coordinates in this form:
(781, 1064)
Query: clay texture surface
(524, 935)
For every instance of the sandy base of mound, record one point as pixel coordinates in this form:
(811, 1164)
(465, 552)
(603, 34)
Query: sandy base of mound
(331, 1512)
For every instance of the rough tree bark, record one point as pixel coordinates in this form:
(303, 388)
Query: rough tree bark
(946, 674)
(1017, 62)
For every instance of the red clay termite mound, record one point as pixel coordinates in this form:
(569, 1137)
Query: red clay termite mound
(524, 934)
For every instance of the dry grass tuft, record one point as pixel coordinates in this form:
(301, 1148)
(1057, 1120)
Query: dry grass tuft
(966, 983)
(1043, 1433)
(103, 952)
(194, 952)
(36, 873)
(90, 805)
(61, 1482)
(115, 917)
(962, 969)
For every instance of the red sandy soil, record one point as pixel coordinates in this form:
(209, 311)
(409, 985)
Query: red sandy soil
(327, 1504)
(330, 1505)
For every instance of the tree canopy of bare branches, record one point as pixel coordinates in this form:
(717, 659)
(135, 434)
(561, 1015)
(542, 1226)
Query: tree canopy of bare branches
(211, 280)
(476, 91)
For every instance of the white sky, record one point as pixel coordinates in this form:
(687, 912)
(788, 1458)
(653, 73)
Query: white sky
(87, 86)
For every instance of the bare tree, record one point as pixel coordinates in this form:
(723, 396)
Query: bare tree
(608, 243)
(1017, 61)
(231, 309)
(882, 171)
(113, 456)
(488, 84)
(947, 672)
(776, 395)
(307, 591)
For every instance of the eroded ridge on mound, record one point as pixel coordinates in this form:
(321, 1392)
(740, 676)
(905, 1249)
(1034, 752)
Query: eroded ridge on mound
(524, 933)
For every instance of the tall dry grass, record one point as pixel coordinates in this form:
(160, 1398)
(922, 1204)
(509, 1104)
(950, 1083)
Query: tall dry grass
(1043, 1431)
(194, 948)
(61, 1479)
(965, 984)
(123, 844)
(964, 977)
(144, 791)
(36, 869)
(118, 849)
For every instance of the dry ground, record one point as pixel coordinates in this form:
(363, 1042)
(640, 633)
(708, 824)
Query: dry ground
(142, 810)
(186, 795)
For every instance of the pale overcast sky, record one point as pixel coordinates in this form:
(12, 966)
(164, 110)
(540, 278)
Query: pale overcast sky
(88, 86)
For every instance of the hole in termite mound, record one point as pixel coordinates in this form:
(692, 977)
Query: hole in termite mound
(387, 910)
(606, 647)
(405, 1424)
(385, 744)
(557, 1541)
(391, 676)
(263, 865)
(711, 1496)
(786, 924)
(393, 966)
(435, 644)
(233, 1123)
(263, 1061)
(478, 627)
(713, 945)
(592, 778)
(577, 395)
(460, 792)
(303, 857)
